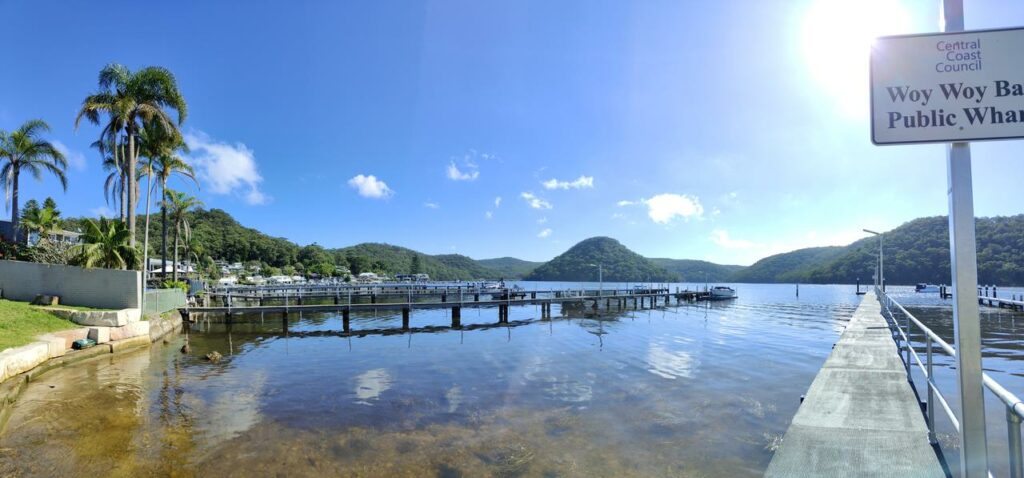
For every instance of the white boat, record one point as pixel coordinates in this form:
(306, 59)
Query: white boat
(721, 292)
(922, 287)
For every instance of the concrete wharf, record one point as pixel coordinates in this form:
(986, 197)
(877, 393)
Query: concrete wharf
(860, 416)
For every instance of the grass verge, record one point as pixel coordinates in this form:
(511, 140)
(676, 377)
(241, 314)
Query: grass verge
(20, 323)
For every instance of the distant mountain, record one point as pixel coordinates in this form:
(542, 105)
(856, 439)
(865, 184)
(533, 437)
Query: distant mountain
(787, 267)
(917, 251)
(690, 270)
(510, 267)
(619, 264)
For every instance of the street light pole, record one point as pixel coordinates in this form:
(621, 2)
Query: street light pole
(600, 278)
(881, 259)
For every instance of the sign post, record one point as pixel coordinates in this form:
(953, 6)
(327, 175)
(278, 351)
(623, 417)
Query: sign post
(954, 87)
(963, 259)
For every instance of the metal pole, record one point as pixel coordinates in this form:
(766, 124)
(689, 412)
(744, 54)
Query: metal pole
(881, 260)
(964, 268)
(931, 393)
(1013, 442)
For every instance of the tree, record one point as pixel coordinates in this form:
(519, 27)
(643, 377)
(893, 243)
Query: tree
(178, 204)
(415, 269)
(42, 221)
(159, 146)
(22, 149)
(106, 244)
(130, 100)
(115, 186)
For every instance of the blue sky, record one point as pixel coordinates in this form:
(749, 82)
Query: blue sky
(724, 131)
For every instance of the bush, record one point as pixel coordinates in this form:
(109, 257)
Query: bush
(170, 284)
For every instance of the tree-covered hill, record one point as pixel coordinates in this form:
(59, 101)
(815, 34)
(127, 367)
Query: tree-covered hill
(389, 259)
(619, 263)
(917, 251)
(510, 267)
(690, 270)
(787, 267)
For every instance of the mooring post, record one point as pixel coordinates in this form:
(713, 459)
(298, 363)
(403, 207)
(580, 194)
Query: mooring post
(456, 317)
(405, 318)
(444, 297)
(373, 297)
(345, 319)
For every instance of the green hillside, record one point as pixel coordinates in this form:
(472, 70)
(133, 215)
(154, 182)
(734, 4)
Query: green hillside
(388, 259)
(510, 267)
(619, 263)
(787, 267)
(690, 270)
(917, 251)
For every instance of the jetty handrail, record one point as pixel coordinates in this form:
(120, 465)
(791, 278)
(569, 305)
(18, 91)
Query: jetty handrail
(1014, 406)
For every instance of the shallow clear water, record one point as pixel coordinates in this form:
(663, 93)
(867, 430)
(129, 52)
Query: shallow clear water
(693, 390)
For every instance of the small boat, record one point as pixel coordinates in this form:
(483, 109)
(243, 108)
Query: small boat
(721, 292)
(922, 287)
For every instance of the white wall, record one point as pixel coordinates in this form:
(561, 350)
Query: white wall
(100, 288)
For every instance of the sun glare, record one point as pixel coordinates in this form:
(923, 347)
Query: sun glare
(836, 42)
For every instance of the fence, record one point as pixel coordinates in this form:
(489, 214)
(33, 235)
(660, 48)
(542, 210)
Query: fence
(159, 301)
(99, 288)
(894, 312)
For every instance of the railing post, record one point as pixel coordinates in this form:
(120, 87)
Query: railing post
(1013, 442)
(909, 344)
(931, 393)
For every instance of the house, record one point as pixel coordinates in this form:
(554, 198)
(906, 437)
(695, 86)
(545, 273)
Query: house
(368, 277)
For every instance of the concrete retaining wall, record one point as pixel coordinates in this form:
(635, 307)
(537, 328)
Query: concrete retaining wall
(99, 288)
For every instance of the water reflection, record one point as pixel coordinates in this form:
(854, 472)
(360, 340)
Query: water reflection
(694, 390)
(370, 384)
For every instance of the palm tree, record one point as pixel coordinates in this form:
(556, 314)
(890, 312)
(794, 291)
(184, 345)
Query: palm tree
(159, 146)
(22, 149)
(106, 244)
(179, 205)
(130, 100)
(116, 185)
(193, 248)
(41, 221)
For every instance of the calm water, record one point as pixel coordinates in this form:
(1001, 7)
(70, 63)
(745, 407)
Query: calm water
(697, 390)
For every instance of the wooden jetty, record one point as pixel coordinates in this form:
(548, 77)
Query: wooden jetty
(860, 417)
(615, 299)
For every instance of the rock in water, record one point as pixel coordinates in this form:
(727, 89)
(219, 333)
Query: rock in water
(214, 356)
(185, 348)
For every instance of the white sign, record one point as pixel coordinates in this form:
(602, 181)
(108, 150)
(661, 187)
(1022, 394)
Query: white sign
(948, 87)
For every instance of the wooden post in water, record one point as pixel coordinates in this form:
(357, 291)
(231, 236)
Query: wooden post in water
(456, 317)
(345, 319)
(405, 318)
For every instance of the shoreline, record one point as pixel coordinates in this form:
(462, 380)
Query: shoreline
(12, 388)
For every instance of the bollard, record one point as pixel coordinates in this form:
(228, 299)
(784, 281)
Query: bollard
(405, 318)
(456, 317)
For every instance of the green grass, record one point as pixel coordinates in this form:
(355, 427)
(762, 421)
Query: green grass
(20, 323)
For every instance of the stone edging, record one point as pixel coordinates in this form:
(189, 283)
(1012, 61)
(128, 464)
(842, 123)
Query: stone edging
(11, 388)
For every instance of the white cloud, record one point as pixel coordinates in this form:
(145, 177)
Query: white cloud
(488, 215)
(75, 159)
(497, 202)
(455, 174)
(580, 183)
(618, 215)
(102, 211)
(545, 233)
(626, 203)
(535, 202)
(226, 168)
(431, 205)
(370, 187)
(721, 237)
(663, 208)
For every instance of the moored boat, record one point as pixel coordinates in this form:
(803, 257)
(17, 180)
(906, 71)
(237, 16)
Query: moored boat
(721, 292)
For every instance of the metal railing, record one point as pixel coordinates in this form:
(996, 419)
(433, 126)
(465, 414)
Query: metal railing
(1014, 406)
